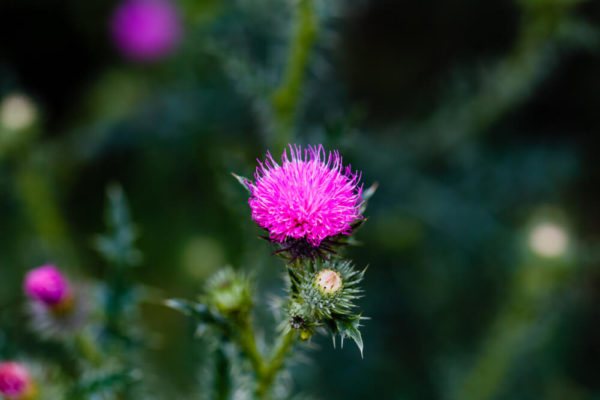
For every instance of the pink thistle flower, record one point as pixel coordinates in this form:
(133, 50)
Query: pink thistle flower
(15, 381)
(146, 30)
(310, 196)
(47, 285)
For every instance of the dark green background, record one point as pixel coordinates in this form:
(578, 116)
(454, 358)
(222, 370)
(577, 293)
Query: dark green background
(477, 118)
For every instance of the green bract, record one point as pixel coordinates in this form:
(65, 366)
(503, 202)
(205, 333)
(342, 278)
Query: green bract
(311, 307)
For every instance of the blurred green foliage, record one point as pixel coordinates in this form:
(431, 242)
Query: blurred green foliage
(478, 120)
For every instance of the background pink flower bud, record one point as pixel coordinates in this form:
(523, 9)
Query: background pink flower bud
(47, 285)
(15, 381)
(146, 30)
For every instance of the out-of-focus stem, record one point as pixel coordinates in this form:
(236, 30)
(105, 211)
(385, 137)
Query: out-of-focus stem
(88, 349)
(40, 205)
(535, 283)
(265, 370)
(222, 384)
(286, 96)
(545, 26)
(247, 342)
(275, 363)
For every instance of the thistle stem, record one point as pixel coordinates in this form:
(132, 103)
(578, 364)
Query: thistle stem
(222, 383)
(43, 211)
(265, 370)
(247, 342)
(88, 348)
(275, 363)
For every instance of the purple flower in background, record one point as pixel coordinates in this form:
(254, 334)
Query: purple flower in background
(311, 196)
(46, 284)
(15, 382)
(146, 30)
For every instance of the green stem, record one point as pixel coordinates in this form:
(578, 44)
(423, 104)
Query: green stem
(222, 383)
(270, 370)
(247, 342)
(265, 371)
(286, 96)
(88, 349)
(43, 211)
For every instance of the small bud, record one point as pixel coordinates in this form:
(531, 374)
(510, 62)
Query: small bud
(47, 285)
(230, 292)
(329, 281)
(15, 382)
(306, 334)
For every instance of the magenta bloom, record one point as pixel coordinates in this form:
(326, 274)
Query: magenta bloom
(146, 30)
(47, 285)
(15, 382)
(311, 196)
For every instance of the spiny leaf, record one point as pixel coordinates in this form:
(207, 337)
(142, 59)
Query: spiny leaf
(198, 311)
(189, 308)
(350, 328)
(117, 244)
(104, 382)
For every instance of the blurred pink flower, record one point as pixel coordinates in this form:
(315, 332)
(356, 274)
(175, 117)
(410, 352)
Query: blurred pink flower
(311, 196)
(47, 285)
(146, 30)
(15, 381)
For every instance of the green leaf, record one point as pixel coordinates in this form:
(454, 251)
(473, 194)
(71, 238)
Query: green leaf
(349, 328)
(103, 383)
(117, 245)
(198, 311)
(245, 182)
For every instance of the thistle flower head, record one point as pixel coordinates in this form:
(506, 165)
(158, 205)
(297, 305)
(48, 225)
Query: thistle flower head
(146, 30)
(15, 382)
(47, 285)
(311, 196)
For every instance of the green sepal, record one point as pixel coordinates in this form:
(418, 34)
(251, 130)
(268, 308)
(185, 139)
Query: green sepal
(358, 224)
(245, 182)
(367, 194)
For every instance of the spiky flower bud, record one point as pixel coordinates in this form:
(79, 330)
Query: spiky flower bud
(15, 382)
(328, 281)
(47, 285)
(229, 291)
(323, 296)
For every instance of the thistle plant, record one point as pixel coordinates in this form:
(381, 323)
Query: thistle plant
(308, 205)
